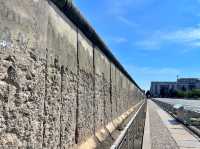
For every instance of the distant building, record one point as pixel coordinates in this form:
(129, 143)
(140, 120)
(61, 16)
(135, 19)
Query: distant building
(188, 84)
(163, 89)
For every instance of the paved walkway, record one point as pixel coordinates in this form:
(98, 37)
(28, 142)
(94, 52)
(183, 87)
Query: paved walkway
(163, 132)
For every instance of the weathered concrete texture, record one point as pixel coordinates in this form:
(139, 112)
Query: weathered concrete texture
(106, 88)
(60, 103)
(118, 91)
(56, 89)
(113, 92)
(99, 102)
(126, 94)
(102, 90)
(133, 91)
(52, 106)
(85, 124)
(119, 97)
(22, 87)
(124, 99)
(22, 75)
(68, 109)
(129, 94)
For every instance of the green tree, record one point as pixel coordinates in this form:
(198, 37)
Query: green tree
(195, 93)
(180, 94)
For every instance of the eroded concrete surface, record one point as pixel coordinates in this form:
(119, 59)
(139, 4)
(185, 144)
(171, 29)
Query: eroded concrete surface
(56, 88)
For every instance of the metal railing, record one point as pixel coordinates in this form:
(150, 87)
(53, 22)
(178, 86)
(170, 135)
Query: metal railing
(132, 136)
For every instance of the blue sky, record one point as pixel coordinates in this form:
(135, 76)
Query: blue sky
(155, 40)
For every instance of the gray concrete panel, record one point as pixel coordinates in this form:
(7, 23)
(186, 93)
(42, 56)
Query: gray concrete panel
(102, 89)
(60, 103)
(55, 89)
(113, 91)
(85, 124)
(22, 72)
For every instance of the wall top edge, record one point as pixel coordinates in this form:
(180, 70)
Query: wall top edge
(68, 8)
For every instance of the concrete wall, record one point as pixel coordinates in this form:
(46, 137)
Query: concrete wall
(57, 88)
(22, 71)
(85, 123)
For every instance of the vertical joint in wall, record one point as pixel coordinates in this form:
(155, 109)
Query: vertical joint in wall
(77, 98)
(61, 103)
(94, 122)
(111, 90)
(104, 100)
(116, 90)
(45, 99)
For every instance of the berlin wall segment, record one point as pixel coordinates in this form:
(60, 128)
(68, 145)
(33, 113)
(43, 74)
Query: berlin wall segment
(57, 87)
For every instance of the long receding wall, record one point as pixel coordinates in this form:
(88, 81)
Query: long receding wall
(58, 88)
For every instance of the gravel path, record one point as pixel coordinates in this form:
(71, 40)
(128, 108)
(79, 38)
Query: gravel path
(160, 136)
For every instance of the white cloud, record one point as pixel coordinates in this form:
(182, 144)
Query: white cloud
(127, 21)
(189, 37)
(118, 40)
(196, 44)
(119, 7)
(184, 35)
(122, 7)
(148, 45)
